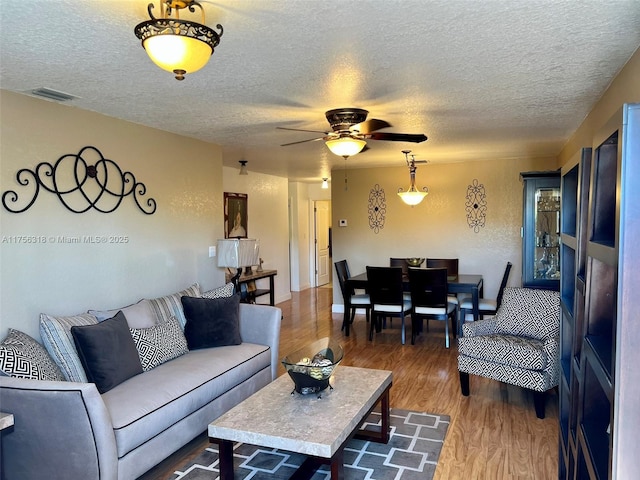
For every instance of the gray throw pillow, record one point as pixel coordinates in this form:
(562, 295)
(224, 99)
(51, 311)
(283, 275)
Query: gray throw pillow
(212, 322)
(107, 352)
(138, 315)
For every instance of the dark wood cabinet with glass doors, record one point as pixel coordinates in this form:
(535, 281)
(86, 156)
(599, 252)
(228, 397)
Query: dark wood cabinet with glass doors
(600, 297)
(541, 230)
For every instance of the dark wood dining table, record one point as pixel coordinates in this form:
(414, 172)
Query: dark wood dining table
(462, 283)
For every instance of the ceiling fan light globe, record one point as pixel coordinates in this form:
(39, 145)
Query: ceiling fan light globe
(175, 53)
(346, 146)
(412, 197)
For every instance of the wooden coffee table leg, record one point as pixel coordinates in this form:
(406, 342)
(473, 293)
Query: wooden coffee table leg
(225, 456)
(337, 465)
(384, 411)
(381, 436)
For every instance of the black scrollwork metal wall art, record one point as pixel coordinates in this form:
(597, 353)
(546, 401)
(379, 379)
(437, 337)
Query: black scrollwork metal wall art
(70, 178)
(476, 205)
(377, 208)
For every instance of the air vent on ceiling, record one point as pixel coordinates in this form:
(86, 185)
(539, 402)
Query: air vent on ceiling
(51, 94)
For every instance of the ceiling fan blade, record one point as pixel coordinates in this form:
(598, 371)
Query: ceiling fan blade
(302, 141)
(397, 137)
(301, 130)
(370, 125)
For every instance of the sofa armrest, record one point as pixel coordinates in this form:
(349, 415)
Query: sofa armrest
(479, 327)
(61, 430)
(261, 324)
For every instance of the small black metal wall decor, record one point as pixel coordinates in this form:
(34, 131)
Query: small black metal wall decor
(476, 206)
(68, 178)
(377, 208)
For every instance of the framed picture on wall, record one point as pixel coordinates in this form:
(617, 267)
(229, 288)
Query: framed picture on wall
(235, 215)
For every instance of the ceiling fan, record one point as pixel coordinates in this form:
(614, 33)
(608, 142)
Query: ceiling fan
(351, 130)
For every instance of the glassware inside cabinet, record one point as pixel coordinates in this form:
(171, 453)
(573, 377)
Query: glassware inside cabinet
(547, 232)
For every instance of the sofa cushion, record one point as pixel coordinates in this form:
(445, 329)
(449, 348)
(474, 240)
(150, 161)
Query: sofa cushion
(146, 405)
(138, 315)
(23, 357)
(171, 306)
(107, 352)
(220, 292)
(529, 312)
(160, 343)
(212, 322)
(55, 332)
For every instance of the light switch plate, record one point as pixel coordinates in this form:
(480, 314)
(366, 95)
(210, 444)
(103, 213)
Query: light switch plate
(343, 222)
(212, 251)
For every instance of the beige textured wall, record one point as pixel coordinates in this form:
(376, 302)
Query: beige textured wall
(268, 222)
(300, 224)
(438, 226)
(625, 88)
(164, 252)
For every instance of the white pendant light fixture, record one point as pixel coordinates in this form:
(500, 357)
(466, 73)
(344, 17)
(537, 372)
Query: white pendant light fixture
(176, 45)
(412, 196)
(243, 167)
(325, 183)
(346, 146)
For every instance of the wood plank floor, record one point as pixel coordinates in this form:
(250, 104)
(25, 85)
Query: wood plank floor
(494, 433)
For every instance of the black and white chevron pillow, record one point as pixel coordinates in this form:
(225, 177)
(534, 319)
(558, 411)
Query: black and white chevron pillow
(220, 292)
(160, 343)
(23, 357)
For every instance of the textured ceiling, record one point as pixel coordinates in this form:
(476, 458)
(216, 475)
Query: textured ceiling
(482, 79)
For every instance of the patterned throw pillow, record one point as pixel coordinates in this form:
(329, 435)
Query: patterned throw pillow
(171, 306)
(220, 292)
(56, 337)
(160, 343)
(23, 357)
(529, 313)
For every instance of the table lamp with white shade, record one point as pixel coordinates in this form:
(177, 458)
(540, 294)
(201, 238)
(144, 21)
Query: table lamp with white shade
(238, 253)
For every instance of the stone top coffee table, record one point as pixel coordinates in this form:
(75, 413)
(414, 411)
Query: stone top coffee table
(318, 427)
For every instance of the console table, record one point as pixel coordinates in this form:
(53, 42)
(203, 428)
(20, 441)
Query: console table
(246, 279)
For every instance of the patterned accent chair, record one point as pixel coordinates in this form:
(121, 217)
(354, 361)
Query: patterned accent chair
(519, 346)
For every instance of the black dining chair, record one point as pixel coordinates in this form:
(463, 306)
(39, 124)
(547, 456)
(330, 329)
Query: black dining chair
(356, 300)
(451, 264)
(430, 300)
(385, 285)
(400, 262)
(486, 306)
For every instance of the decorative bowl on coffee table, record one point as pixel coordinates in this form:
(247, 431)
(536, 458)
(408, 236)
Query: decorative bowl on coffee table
(311, 367)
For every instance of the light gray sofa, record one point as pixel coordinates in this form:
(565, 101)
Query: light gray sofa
(67, 430)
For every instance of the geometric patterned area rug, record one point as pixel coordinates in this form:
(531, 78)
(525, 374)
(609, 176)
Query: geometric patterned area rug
(411, 454)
